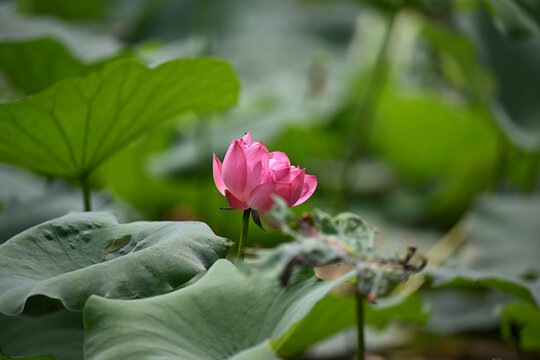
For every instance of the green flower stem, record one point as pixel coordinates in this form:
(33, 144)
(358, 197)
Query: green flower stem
(360, 326)
(203, 25)
(86, 194)
(243, 234)
(364, 113)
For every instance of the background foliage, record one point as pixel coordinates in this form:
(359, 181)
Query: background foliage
(421, 116)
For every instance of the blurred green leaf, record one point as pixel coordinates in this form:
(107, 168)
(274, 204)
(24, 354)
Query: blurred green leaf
(196, 144)
(521, 326)
(34, 65)
(459, 276)
(432, 140)
(409, 309)
(38, 357)
(32, 335)
(37, 64)
(425, 135)
(81, 9)
(71, 128)
(329, 316)
(87, 44)
(224, 315)
(458, 61)
(66, 259)
(517, 77)
(458, 57)
(517, 18)
(501, 235)
(500, 248)
(423, 5)
(463, 309)
(324, 143)
(337, 312)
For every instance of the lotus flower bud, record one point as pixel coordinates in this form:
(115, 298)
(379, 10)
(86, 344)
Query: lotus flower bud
(250, 176)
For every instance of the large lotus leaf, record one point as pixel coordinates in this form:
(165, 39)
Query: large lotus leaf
(80, 254)
(45, 332)
(73, 126)
(225, 315)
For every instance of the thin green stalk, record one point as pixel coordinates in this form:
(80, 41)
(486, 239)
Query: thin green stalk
(86, 194)
(501, 163)
(368, 105)
(243, 234)
(204, 144)
(365, 111)
(203, 24)
(360, 326)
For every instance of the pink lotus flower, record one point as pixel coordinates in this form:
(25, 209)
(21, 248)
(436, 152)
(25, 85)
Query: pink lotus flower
(250, 176)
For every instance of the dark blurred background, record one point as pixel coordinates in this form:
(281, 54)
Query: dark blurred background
(421, 116)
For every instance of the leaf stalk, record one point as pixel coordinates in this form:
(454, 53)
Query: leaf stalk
(243, 234)
(364, 113)
(360, 325)
(86, 194)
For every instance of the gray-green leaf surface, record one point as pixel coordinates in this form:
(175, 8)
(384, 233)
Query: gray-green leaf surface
(225, 315)
(80, 254)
